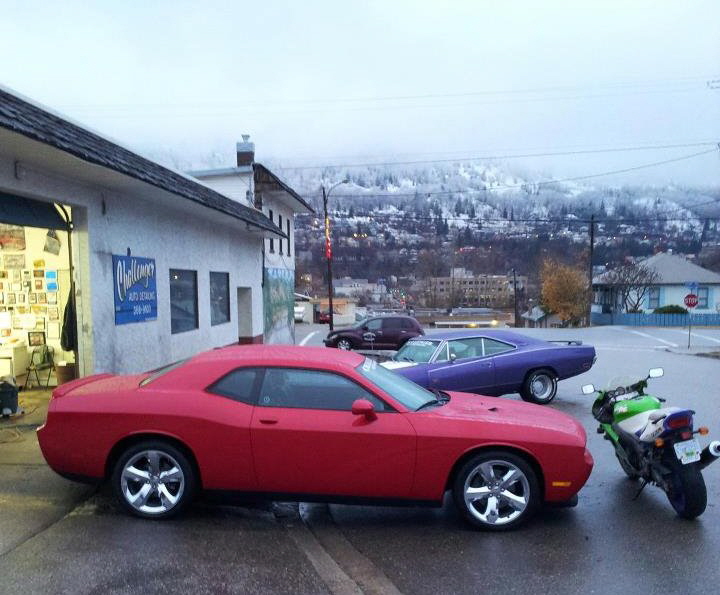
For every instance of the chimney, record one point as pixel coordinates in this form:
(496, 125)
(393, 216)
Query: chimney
(245, 151)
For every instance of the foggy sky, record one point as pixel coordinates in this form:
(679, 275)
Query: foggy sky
(352, 82)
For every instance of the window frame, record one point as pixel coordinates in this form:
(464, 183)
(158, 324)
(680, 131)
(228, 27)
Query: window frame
(197, 310)
(280, 241)
(653, 297)
(387, 407)
(272, 240)
(510, 345)
(255, 391)
(227, 297)
(703, 300)
(287, 225)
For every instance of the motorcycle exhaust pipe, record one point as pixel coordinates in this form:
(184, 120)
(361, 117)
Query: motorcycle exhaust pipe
(710, 454)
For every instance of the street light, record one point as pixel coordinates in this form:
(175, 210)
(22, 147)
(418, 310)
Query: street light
(328, 247)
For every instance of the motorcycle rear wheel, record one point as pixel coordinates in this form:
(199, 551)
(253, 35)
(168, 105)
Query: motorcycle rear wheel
(629, 470)
(687, 492)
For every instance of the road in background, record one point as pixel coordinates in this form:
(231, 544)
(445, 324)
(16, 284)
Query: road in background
(609, 542)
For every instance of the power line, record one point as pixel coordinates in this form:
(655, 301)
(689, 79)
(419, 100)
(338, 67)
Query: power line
(527, 184)
(508, 156)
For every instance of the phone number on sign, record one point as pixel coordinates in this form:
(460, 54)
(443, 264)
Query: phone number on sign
(143, 309)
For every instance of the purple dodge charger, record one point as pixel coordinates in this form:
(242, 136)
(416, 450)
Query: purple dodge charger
(491, 362)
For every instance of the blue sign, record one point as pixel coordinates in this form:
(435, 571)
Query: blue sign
(135, 289)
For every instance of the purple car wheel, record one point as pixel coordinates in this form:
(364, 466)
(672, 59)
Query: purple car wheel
(540, 387)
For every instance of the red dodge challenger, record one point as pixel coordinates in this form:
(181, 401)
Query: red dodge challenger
(302, 423)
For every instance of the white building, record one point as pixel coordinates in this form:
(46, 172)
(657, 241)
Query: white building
(255, 186)
(160, 265)
(674, 275)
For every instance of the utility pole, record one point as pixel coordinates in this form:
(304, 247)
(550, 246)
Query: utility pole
(590, 267)
(328, 257)
(515, 297)
(328, 250)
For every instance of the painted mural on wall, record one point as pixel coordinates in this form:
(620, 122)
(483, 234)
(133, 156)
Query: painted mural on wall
(278, 302)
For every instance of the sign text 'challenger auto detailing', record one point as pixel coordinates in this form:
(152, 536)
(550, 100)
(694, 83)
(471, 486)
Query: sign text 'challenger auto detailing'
(135, 289)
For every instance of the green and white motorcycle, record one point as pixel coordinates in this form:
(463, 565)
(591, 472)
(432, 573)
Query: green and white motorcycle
(655, 443)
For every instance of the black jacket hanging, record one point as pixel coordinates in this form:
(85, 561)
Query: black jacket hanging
(68, 338)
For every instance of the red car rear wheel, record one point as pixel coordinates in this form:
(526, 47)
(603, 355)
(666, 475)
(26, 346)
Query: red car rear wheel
(153, 479)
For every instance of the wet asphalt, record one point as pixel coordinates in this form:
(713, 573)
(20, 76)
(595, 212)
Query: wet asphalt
(57, 537)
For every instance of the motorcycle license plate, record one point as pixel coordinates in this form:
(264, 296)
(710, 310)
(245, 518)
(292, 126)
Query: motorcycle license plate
(688, 451)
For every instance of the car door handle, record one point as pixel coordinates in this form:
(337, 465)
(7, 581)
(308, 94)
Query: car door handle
(268, 420)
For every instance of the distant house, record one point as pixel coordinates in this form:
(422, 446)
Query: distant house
(537, 317)
(674, 274)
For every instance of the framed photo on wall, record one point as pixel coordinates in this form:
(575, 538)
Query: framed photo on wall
(42, 298)
(36, 338)
(38, 284)
(32, 298)
(52, 298)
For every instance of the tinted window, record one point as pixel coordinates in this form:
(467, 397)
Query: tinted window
(407, 324)
(463, 348)
(311, 389)
(392, 323)
(238, 385)
(219, 298)
(374, 324)
(183, 301)
(493, 347)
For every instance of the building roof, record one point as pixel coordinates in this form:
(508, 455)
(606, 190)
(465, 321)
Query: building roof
(673, 270)
(24, 117)
(263, 172)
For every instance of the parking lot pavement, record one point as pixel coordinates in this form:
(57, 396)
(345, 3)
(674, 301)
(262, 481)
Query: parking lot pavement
(609, 542)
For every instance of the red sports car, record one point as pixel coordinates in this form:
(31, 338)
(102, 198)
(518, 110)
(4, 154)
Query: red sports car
(303, 423)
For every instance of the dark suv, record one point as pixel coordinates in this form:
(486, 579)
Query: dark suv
(382, 332)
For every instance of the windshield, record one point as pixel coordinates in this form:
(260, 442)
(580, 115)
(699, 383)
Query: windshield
(360, 323)
(623, 381)
(419, 351)
(398, 387)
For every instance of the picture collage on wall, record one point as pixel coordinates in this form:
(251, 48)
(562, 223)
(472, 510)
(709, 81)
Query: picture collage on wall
(30, 296)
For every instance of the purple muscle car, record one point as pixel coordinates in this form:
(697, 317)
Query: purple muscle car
(491, 362)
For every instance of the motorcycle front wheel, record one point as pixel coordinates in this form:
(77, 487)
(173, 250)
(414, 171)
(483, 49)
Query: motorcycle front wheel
(687, 492)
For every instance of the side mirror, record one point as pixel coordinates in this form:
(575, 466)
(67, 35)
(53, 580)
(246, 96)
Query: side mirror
(656, 372)
(588, 389)
(363, 407)
(453, 357)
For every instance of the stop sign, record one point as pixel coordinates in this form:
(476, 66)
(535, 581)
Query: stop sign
(691, 300)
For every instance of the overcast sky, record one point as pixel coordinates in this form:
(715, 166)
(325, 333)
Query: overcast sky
(350, 82)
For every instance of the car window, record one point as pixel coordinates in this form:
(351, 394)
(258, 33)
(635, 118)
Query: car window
(493, 347)
(374, 324)
(407, 324)
(464, 348)
(419, 351)
(312, 389)
(392, 323)
(398, 387)
(239, 385)
(442, 355)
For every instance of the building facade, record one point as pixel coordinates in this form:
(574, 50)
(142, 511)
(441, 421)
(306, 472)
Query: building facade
(136, 265)
(463, 288)
(255, 186)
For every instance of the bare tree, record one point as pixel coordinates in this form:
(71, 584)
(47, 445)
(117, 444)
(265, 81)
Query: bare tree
(631, 282)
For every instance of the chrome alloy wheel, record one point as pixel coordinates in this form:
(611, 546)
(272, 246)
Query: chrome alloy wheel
(541, 387)
(496, 492)
(152, 482)
(344, 344)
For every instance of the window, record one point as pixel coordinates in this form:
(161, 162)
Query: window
(442, 355)
(493, 347)
(398, 387)
(463, 348)
(280, 226)
(183, 301)
(702, 294)
(654, 298)
(238, 385)
(374, 324)
(219, 298)
(272, 241)
(392, 324)
(407, 324)
(287, 224)
(311, 389)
